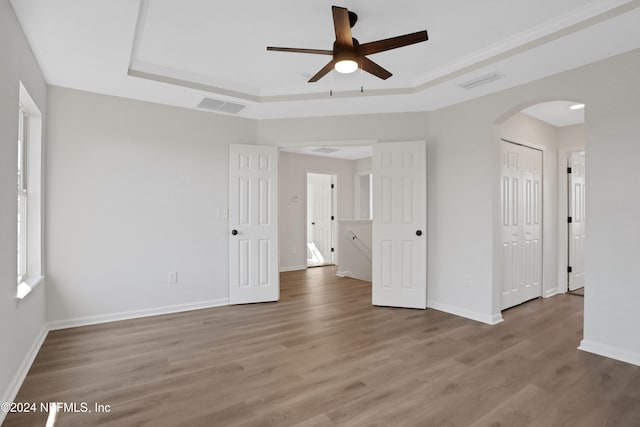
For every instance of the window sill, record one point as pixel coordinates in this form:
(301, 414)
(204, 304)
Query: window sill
(27, 286)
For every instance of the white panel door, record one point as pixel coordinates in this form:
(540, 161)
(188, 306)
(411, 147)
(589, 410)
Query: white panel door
(253, 224)
(320, 218)
(399, 224)
(521, 223)
(577, 227)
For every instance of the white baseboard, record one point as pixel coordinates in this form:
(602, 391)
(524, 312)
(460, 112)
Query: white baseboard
(293, 268)
(135, 314)
(18, 379)
(345, 273)
(549, 293)
(610, 352)
(473, 315)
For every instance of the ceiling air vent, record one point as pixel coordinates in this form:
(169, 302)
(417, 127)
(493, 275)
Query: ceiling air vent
(218, 105)
(325, 150)
(483, 80)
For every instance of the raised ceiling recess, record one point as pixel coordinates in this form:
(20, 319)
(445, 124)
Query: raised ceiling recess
(180, 52)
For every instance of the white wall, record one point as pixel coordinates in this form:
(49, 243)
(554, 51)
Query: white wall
(571, 137)
(380, 127)
(355, 255)
(21, 323)
(612, 288)
(292, 180)
(529, 131)
(134, 192)
(364, 165)
(107, 250)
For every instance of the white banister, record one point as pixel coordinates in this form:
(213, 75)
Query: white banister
(366, 251)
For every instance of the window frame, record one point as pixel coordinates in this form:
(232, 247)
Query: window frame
(23, 196)
(29, 195)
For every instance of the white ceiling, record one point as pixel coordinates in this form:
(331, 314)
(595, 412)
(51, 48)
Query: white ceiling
(177, 52)
(556, 113)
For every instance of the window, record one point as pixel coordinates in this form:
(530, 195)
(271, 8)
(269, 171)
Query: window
(364, 199)
(29, 200)
(23, 194)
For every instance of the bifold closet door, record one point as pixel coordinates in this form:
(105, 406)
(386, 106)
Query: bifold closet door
(521, 223)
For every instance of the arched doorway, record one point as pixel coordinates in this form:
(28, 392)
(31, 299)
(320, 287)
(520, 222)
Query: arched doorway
(533, 144)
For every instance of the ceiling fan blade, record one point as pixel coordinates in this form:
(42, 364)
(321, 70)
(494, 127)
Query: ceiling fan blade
(371, 67)
(320, 74)
(393, 43)
(342, 26)
(296, 50)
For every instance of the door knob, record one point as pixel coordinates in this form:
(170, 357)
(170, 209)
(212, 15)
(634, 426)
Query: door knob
(418, 232)
(234, 232)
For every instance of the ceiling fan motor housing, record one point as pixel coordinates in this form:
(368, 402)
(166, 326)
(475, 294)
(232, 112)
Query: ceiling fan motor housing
(353, 18)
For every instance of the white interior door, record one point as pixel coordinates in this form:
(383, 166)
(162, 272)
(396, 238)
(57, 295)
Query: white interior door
(399, 224)
(253, 224)
(320, 218)
(521, 215)
(577, 226)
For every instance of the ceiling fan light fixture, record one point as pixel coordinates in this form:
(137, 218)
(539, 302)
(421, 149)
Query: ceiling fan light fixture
(346, 66)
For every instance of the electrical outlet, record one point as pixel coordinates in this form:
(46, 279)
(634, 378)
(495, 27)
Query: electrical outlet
(173, 277)
(468, 281)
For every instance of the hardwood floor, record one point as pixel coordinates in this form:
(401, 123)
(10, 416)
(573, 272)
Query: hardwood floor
(324, 356)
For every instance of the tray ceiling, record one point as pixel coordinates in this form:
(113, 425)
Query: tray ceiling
(178, 52)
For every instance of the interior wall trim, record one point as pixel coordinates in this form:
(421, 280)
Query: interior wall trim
(610, 351)
(489, 319)
(12, 391)
(293, 268)
(135, 314)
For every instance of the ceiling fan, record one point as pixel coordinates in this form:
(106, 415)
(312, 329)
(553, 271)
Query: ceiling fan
(348, 54)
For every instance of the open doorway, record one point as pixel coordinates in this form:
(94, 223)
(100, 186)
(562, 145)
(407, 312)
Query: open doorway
(301, 243)
(321, 219)
(555, 129)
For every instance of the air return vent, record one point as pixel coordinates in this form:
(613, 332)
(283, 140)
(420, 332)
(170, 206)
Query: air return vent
(218, 105)
(482, 80)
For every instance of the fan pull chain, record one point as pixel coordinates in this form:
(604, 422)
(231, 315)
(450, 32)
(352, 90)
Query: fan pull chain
(361, 85)
(331, 90)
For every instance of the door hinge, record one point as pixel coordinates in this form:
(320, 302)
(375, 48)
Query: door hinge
(332, 218)
(569, 220)
(569, 269)
(333, 250)
(332, 186)
(568, 170)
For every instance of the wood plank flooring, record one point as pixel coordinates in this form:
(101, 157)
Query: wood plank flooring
(323, 356)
